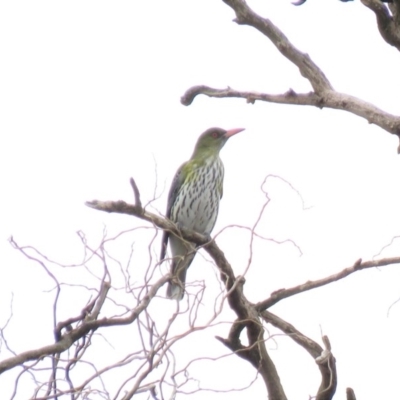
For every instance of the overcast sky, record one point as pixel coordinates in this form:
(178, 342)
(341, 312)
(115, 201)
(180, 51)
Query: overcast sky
(90, 96)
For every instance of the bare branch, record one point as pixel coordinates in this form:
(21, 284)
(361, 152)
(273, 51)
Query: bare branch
(350, 395)
(122, 207)
(256, 352)
(357, 266)
(290, 97)
(136, 193)
(389, 26)
(68, 339)
(313, 348)
(246, 16)
(323, 94)
(247, 313)
(326, 364)
(105, 287)
(329, 99)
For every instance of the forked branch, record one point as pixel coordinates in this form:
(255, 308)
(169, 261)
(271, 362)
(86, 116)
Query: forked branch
(323, 357)
(249, 314)
(87, 324)
(323, 94)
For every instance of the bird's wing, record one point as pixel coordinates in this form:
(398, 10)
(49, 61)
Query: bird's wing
(173, 192)
(221, 188)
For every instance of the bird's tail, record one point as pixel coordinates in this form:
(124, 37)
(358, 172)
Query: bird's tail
(179, 267)
(175, 291)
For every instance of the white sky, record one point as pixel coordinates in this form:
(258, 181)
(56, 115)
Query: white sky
(90, 95)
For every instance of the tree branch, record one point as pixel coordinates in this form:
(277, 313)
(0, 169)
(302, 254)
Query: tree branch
(247, 313)
(246, 16)
(388, 25)
(136, 193)
(329, 99)
(327, 365)
(323, 94)
(256, 352)
(309, 285)
(88, 325)
(350, 395)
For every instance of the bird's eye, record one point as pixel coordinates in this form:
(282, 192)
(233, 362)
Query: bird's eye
(214, 135)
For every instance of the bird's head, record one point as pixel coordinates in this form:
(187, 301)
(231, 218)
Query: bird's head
(212, 141)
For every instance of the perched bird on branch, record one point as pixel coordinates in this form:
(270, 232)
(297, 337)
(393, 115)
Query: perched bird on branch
(193, 202)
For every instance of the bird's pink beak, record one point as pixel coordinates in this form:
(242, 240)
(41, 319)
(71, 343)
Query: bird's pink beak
(232, 132)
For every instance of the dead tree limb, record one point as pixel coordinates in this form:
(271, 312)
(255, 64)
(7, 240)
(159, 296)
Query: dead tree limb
(248, 314)
(323, 94)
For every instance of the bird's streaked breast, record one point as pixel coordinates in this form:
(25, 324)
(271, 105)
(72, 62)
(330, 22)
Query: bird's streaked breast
(196, 204)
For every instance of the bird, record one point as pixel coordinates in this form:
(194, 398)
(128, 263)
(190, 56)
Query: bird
(193, 202)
